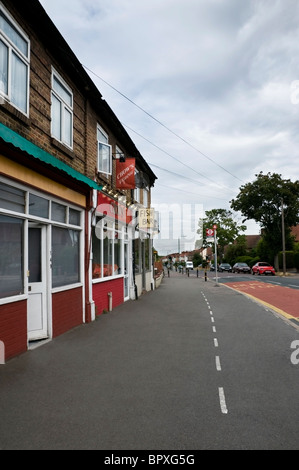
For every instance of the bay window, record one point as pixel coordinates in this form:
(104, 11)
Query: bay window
(107, 241)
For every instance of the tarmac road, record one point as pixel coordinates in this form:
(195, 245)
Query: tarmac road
(190, 366)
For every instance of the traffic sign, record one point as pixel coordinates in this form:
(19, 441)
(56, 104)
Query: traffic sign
(215, 227)
(210, 232)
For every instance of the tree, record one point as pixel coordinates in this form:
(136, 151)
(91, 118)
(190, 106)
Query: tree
(262, 201)
(227, 228)
(235, 250)
(197, 259)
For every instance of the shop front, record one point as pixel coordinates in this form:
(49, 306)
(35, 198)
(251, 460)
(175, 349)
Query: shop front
(42, 249)
(111, 253)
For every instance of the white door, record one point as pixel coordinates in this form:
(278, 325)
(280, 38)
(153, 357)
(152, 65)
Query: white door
(126, 270)
(37, 317)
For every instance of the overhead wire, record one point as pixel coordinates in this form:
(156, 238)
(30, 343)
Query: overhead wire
(161, 124)
(175, 158)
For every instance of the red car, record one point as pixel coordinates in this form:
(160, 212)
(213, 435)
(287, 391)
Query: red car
(263, 268)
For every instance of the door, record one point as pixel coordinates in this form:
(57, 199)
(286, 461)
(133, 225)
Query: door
(37, 317)
(126, 270)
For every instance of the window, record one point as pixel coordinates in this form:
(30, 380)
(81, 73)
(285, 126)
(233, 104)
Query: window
(38, 206)
(146, 197)
(12, 199)
(62, 111)
(58, 212)
(104, 152)
(107, 242)
(11, 256)
(14, 63)
(65, 257)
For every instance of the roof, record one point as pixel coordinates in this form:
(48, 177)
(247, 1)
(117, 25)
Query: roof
(11, 137)
(35, 15)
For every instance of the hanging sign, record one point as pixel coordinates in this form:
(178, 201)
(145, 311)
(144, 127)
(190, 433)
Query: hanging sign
(146, 219)
(125, 174)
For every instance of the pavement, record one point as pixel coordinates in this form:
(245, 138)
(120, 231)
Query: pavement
(133, 378)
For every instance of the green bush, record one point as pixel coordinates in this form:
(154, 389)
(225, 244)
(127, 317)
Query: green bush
(296, 260)
(247, 259)
(290, 262)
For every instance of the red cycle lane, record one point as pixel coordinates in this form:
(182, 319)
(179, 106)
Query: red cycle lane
(283, 300)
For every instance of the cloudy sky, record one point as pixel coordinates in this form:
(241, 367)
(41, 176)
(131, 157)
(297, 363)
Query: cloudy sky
(207, 89)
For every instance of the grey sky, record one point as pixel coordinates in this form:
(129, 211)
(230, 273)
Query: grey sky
(218, 73)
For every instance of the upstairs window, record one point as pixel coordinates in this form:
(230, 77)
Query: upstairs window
(104, 152)
(14, 63)
(62, 111)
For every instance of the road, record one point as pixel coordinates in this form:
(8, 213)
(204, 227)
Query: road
(191, 366)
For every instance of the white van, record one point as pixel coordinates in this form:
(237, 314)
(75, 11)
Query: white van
(189, 265)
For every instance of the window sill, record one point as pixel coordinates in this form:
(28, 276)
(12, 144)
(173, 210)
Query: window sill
(16, 113)
(62, 148)
(108, 278)
(16, 298)
(55, 290)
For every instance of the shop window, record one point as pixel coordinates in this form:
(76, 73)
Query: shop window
(147, 254)
(14, 63)
(38, 206)
(137, 257)
(58, 212)
(74, 217)
(107, 242)
(11, 257)
(62, 111)
(65, 257)
(12, 199)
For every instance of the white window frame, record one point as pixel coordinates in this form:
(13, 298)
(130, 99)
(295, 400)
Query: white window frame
(27, 217)
(103, 143)
(65, 108)
(25, 59)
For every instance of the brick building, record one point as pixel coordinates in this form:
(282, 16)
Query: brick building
(69, 247)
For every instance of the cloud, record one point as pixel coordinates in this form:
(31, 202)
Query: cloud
(217, 73)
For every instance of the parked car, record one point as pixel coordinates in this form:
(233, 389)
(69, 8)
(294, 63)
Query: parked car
(212, 267)
(263, 268)
(189, 265)
(225, 267)
(241, 268)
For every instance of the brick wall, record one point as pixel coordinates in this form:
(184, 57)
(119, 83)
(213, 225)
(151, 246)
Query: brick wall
(37, 128)
(13, 328)
(100, 294)
(67, 310)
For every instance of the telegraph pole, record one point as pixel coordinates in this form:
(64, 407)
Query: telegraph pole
(215, 242)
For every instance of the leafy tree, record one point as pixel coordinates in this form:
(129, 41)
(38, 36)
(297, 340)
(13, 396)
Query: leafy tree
(197, 259)
(227, 228)
(237, 249)
(262, 201)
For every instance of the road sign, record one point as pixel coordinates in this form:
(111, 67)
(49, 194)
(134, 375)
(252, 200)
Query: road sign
(210, 232)
(215, 227)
